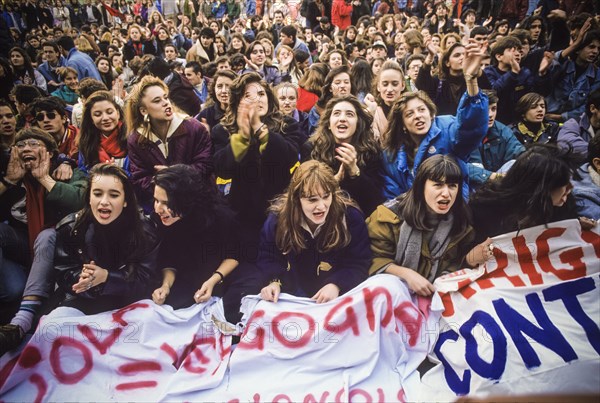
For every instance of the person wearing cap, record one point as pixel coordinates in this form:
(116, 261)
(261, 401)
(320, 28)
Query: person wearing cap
(31, 201)
(341, 14)
(204, 50)
(379, 49)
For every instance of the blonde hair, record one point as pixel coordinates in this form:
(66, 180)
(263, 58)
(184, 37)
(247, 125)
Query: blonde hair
(133, 116)
(83, 45)
(64, 71)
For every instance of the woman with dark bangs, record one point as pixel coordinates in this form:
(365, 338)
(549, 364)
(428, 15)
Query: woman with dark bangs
(426, 232)
(337, 84)
(314, 243)
(531, 125)
(256, 61)
(237, 44)
(344, 141)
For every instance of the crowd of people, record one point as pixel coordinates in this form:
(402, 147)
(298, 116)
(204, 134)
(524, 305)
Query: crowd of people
(183, 150)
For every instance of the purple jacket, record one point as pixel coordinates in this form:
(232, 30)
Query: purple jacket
(574, 135)
(190, 144)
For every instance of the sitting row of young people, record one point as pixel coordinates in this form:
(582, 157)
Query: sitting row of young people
(314, 243)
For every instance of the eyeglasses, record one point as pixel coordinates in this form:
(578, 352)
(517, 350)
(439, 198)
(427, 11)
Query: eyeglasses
(31, 143)
(42, 115)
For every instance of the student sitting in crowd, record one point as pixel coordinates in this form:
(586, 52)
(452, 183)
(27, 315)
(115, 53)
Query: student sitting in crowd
(101, 258)
(426, 232)
(314, 243)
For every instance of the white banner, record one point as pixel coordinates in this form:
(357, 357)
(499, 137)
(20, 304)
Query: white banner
(527, 323)
(364, 346)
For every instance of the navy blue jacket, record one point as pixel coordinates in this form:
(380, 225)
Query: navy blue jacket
(306, 273)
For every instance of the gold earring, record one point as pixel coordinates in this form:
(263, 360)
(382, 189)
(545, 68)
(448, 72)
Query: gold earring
(146, 118)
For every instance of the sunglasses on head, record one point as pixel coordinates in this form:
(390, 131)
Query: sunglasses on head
(42, 115)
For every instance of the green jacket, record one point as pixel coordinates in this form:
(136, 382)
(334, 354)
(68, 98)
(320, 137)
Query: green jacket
(65, 198)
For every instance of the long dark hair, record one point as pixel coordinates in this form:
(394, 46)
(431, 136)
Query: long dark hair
(361, 76)
(27, 66)
(526, 189)
(212, 99)
(89, 139)
(273, 119)
(444, 69)
(413, 207)
(191, 196)
(326, 94)
(526, 24)
(363, 140)
(135, 237)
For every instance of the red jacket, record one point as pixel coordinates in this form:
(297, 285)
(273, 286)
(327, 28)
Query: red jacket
(341, 13)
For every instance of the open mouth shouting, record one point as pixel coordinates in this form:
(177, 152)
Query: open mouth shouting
(29, 160)
(104, 213)
(444, 205)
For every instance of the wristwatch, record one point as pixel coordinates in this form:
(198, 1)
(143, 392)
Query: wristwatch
(356, 174)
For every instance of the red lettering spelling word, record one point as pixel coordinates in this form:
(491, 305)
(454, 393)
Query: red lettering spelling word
(41, 386)
(369, 297)
(593, 239)
(304, 339)
(132, 368)
(310, 398)
(544, 259)
(30, 357)
(118, 315)
(350, 322)
(196, 352)
(6, 370)
(55, 363)
(104, 345)
(258, 342)
(136, 385)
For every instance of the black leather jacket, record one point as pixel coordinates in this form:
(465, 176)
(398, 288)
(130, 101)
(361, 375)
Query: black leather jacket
(129, 281)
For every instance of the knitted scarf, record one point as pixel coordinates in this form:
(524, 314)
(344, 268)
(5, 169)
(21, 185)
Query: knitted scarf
(408, 251)
(109, 146)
